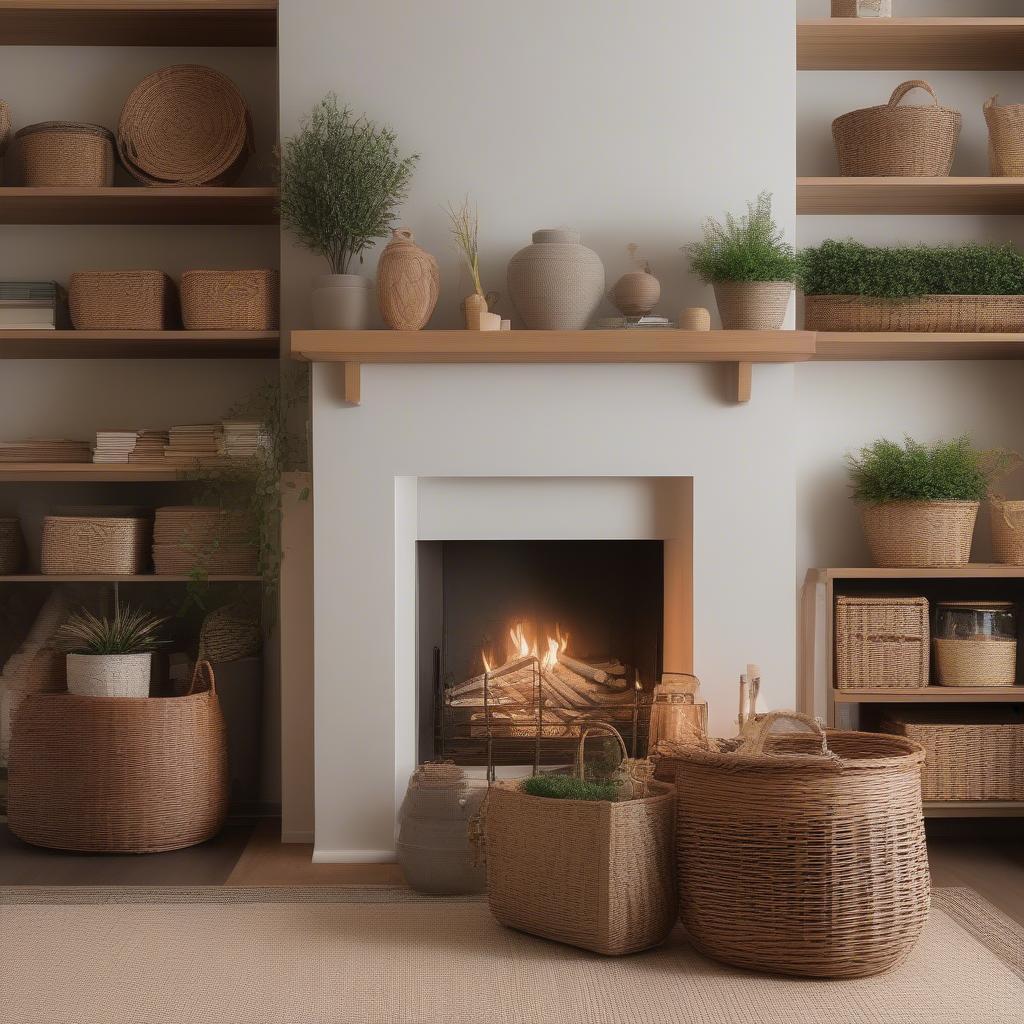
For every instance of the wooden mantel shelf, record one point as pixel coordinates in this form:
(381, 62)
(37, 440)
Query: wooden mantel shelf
(740, 349)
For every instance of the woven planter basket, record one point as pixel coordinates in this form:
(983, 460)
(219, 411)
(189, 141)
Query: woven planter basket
(1007, 530)
(119, 775)
(592, 873)
(752, 305)
(973, 755)
(122, 300)
(84, 545)
(12, 546)
(65, 153)
(881, 642)
(230, 300)
(898, 141)
(185, 125)
(861, 8)
(975, 662)
(1005, 138)
(803, 857)
(920, 534)
(953, 314)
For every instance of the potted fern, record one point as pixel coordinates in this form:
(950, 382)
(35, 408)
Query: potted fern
(342, 179)
(750, 265)
(919, 502)
(110, 657)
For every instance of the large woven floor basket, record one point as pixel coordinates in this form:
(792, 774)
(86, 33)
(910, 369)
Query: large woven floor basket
(804, 858)
(119, 775)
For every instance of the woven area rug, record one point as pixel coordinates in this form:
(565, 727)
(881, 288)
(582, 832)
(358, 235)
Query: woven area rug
(386, 956)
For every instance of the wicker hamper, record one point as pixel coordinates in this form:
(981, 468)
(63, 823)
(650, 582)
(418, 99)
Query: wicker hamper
(925, 314)
(229, 300)
(803, 854)
(594, 874)
(1005, 138)
(122, 300)
(881, 642)
(970, 754)
(65, 154)
(83, 545)
(119, 775)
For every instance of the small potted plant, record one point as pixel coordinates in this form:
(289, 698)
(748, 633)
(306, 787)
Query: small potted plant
(110, 657)
(750, 265)
(465, 222)
(342, 179)
(919, 502)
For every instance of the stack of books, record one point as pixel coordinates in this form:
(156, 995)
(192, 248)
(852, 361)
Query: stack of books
(149, 446)
(29, 305)
(129, 446)
(242, 439)
(45, 450)
(193, 443)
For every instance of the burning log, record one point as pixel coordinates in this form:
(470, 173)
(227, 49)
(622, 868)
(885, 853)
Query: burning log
(583, 669)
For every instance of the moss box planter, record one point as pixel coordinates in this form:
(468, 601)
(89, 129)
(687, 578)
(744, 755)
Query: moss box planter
(956, 314)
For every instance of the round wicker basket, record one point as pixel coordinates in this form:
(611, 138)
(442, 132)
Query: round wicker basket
(230, 300)
(83, 545)
(121, 300)
(978, 661)
(5, 126)
(1007, 519)
(1005, 137)
(903, 534)
(12, 546)
(229, 633)
(752, 305)
(66, 153)
(185, 125)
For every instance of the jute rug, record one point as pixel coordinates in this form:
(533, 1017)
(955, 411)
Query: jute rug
(385, 956)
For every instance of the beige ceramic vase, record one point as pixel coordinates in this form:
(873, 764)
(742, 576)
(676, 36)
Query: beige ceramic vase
(408, 283)
(636, 293)
(477, 317)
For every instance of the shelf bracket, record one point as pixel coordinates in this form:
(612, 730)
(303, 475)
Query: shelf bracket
(351, 382)
(740, 379)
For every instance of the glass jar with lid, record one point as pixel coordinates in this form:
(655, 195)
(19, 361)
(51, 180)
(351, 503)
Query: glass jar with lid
(976, 643)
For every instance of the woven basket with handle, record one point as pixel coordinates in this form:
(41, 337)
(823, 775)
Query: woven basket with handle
(920, 534)
(1005, 138)
(592, 873)
(803, 854)
(893, 140)
(230, 300)
(1007, 530)
(119, 775)
(66, 154)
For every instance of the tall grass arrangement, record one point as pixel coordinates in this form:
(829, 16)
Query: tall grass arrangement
(465, 225)
(127, 631)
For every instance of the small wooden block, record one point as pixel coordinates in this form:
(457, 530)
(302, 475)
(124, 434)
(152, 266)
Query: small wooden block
(351, 382)
(740, 379)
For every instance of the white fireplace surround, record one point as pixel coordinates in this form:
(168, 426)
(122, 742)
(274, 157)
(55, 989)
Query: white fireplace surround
(531, 452)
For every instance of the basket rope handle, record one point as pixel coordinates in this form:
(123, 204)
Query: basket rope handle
(211, 680)
(597, 727)
(756, 738)
(917, 83)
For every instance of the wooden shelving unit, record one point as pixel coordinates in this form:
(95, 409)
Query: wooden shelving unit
(84, 472)
(139, 344)
(921, 44)
(973, 809)
(131, 204)
(992, 196)
(933, 695)
(150, 578)
(845, 347)
(138, 22)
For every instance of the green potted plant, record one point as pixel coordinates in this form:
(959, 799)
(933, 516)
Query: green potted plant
(110, 657)
(342, 179)
(919, 502)
(750, 265)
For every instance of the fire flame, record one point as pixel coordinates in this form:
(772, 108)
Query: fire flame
(520, 647)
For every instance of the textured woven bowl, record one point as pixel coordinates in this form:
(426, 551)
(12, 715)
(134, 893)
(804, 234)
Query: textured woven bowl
(230, 300)
(122, 300)
(66, 154)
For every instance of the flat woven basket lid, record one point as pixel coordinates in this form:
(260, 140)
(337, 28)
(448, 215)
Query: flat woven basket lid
(185, 124)
(66, 128)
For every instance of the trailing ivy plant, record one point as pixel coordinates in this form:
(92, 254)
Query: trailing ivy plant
(897, 272)
(342, 179)
(747, 248)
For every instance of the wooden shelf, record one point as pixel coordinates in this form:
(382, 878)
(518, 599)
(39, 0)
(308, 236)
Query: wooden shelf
(933, 695)
(138, 22)
(918, 44)
(138, 205)
(995, 196)
(149, 578)
(139, 344)
(867, 346)
(973, 809)
(974, 571)
(85, 472)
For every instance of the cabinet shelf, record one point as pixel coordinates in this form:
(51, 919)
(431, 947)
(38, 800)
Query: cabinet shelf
(933, 695)
(839, 346)
(974, 571)
(86, 472)
(139, 344)
(933, 196)
(150, 578)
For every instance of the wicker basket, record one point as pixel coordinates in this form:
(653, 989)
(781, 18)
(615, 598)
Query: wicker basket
(979, 661)
(122, 300)
(65, 153)
(119, 775)
(898, 141)
(594, 874)
(752, 305)
(881, 642)
(5, 126)
(804, 859)
(973, 754)
(12, 546)
(85, 545)
(920, 534)
(230, 633)
(185, 125)
(955, 314)
(1007, 530)
(1005, 138)
(230, 300)
(861, 8)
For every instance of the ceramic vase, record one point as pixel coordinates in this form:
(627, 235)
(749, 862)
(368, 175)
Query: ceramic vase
(556, 284)
(477, 317)
(342, 302)
(636, 293)
(695, 318)
(109, 675)
(408, 283)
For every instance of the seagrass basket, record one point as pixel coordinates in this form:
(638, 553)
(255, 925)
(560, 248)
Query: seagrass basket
(1007, 519)
(920, 534)
(12, 546)
(1005, 138)
(591, 873)
(893, 140)
(65, 153)
(803, 854)
(861, 8)
(752, 305)
(119, 775)
(122, 300)
(87, 545)
(881, 642)
(5, 126)
(185, 125)
(978, 661)
(230, 633)
(230, 300)
(955, 314)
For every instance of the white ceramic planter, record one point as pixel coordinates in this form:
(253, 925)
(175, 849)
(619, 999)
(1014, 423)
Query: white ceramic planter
(343, 302)
(109, 675)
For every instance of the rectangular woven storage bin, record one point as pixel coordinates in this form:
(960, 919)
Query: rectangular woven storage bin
(84, 545)
(957, 314)
(973, 754)
(229, 300)
(881, 642)
(122, 300)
